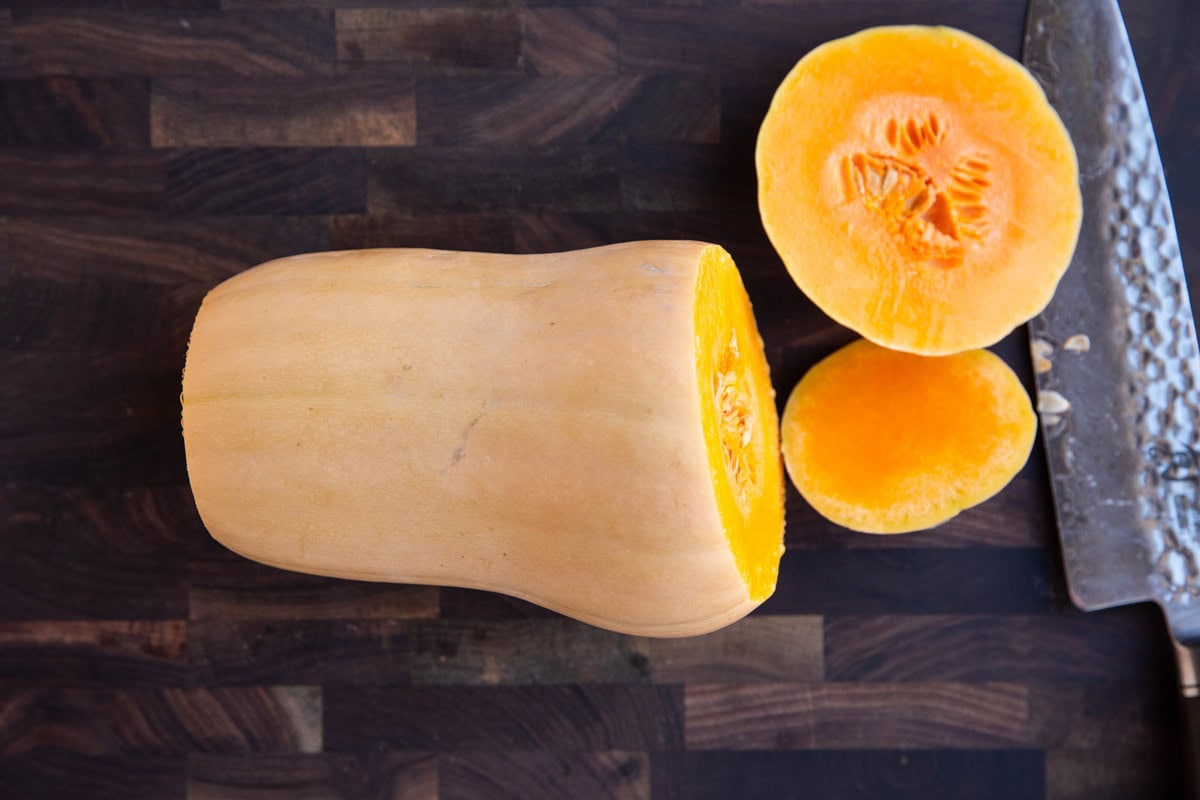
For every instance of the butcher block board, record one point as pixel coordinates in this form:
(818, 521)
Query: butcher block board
(150, 150)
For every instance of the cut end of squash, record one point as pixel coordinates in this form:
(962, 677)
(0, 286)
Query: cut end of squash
(919, 187)
(741, 427)
(881, 441)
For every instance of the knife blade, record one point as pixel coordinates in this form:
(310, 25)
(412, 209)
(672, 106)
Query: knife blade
(1115, 353)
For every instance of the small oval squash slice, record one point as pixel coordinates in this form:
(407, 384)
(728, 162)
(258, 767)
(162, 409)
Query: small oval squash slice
(594, 431)
(919, 187)
(881, 441)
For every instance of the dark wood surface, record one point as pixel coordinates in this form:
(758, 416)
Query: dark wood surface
(149, 150)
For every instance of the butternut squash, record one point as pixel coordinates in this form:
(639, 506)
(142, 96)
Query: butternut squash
(593, 431)
(919, 187)
(882, 441)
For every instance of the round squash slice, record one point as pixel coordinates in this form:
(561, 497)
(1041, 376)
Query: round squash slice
(919, 187)
(593, 431)
(882, 441)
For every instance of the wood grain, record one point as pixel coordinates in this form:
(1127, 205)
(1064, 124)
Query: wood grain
(298, 652)
(5, 39)
(537, 111)
(835, 716)
(424, 180)
(160, 722)
(107, 652)
(767, 38)
(684, 177)
(70, 775)
(544, 776)
(93, 553)
(121, 316)
(435, 38)
(849, 774)
(149, 150)
(107, 183)
(544, 651)
(1056, 647)
(104, 421)
(390, 775)
(313, 112)
(912, 581)
(488, 232)
(758, 649)
(569, 41)
(504, 718)
(66, 112)
(168, 251)
(153, 43)
(223, 586)
(285, 181)
(1113, 775)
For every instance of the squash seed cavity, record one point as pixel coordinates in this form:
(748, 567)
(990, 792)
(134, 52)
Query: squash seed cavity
(930, 222)
(736, 422)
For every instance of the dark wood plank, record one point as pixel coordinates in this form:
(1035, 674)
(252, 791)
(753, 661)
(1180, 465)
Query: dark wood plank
(469, 231)
(223, 586)
(71, 775)
(835, 716)
(555, 231)
(1102, 718)
(755, 649)
(90, 553)
(297, 652)
(670, 108)
(160, 722)
(1163, 37)
(297, 42)
(575, 40)
(61, 112)
(106, 419)
(273, 181)
(388, 775)
(685, 177)
(313, 112)
(112, 316)
(986, 525)
(359, 4)
(5, 250)
(768, 39)
(850, 775)
(522, 111)
(113, 5)
(165, 251)
(109, 652)
(105, 183)
(1118, 646)
(914, 581)
(422, 180)
(449, 39)
(1146, 774)
(544, 775)
(538, 651)
(504, 718)
(566, 109)
(5, 39)
(475, 605)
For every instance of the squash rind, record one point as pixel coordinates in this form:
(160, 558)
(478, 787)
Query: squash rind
(523, 424)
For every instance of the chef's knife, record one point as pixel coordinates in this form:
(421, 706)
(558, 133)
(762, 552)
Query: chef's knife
(1115, 353)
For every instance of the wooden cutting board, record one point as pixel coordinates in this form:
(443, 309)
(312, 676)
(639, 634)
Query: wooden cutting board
(150, 150)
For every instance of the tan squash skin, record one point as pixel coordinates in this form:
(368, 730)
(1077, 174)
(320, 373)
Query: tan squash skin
(522, 424)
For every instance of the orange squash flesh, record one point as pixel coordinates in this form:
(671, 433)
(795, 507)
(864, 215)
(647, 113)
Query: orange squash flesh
(919, 187)
(881, 441)
(554, 427)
